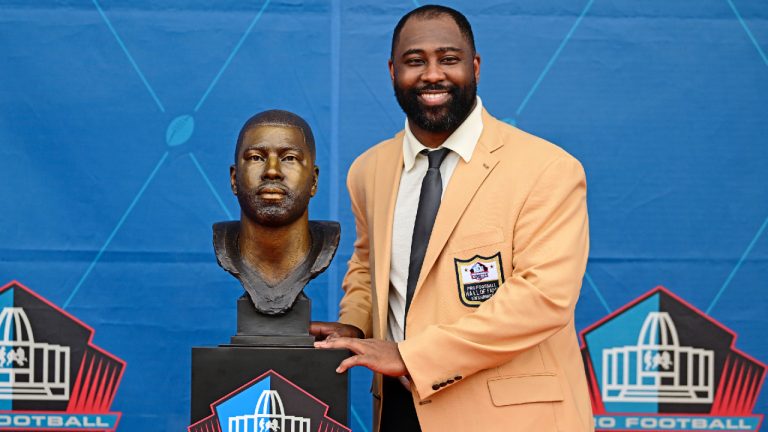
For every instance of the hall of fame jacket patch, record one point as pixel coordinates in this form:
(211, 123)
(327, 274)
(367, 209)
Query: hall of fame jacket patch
(478, 278)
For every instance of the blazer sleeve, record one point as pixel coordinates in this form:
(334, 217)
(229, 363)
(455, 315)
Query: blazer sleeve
(551, 244)
(355, 306)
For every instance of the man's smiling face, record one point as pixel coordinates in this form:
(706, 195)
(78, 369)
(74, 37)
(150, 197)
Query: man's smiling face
(434, 72)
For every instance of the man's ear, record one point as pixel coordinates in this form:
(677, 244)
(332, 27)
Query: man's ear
(233, 179)
(476, 68)
(315, 175)
(391, 70)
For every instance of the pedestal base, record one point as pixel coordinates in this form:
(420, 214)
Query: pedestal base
(225, 372)
(290, 329)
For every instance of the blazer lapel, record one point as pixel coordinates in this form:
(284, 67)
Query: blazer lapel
(389, 167)
(465, 181)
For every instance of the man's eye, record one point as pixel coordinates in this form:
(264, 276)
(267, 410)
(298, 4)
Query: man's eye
(289, 158)
(414, 62)
(450, 60)
(256, 158)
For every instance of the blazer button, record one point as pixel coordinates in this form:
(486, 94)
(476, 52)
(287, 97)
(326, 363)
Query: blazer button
(435, 386)
(457, 377)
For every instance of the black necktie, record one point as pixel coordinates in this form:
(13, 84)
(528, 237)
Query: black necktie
(429, 203)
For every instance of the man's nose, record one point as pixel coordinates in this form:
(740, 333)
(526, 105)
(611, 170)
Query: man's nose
(272, 170)
(433, 73)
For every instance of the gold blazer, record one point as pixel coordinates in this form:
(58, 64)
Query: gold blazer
(491, 350)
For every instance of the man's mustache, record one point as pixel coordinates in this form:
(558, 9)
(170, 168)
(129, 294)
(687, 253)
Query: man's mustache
(434, 87)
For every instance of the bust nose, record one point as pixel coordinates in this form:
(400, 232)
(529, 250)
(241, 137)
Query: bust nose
(272, 170)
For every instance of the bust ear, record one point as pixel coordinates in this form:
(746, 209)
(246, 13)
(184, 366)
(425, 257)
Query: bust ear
(315, 175)
(233, 179)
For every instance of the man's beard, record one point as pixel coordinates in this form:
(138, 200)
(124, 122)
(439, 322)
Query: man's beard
(444, 118)
(274, 213)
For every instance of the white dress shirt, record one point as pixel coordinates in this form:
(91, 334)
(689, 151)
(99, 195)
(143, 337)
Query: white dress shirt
(462, 143)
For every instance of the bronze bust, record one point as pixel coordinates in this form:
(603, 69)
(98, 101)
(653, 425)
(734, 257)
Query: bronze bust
(274, 249)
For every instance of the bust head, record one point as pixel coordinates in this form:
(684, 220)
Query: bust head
(274, 250)
(274, 173)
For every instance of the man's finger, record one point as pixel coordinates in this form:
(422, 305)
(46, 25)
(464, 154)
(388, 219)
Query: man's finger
(351, 344)
(348, 363)
(321, 328)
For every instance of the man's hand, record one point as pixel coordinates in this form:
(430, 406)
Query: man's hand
(322, 330)
(377, 355)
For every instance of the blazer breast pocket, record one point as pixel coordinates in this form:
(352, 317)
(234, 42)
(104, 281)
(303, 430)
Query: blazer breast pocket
(476, 240)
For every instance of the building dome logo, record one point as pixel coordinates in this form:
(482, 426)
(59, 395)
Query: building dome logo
(659, 364)
(51, 376)
(658, 368)
(30, 370)
(269, 416)
(268, 403)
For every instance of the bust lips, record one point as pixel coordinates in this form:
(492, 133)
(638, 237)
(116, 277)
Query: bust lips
(272, 192)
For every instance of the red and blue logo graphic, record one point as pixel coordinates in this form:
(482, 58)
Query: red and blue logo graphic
(269, 403)
(660, 364)
(52, 377)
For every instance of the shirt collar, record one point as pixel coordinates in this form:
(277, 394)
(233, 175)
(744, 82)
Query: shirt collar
(463, 140)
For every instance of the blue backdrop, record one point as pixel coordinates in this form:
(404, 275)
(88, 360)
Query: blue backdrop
(118, 121)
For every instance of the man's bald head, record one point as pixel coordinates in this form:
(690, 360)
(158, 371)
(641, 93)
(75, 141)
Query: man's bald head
(428, 12)
(278, 118)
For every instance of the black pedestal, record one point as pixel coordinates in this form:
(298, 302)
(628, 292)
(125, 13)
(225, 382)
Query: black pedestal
(218, 372)
(270, 377)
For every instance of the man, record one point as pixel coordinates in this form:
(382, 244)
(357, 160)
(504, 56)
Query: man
(474, 314)
(274, 250)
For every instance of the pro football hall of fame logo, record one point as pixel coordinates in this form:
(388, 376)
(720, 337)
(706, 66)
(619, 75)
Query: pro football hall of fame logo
(268, 403)
(52, 377)
(660, 364)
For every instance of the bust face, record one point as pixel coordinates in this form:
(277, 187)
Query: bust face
(274, 175)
